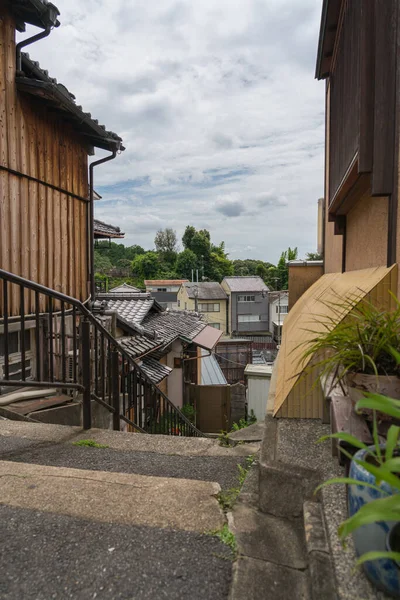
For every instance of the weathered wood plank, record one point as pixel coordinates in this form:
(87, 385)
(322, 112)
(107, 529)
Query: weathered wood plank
(345, 419)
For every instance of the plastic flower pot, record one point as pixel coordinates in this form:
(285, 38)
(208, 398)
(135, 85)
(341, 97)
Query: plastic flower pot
(383, 573)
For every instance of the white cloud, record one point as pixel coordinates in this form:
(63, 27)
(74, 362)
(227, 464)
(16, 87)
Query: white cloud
(218, 109)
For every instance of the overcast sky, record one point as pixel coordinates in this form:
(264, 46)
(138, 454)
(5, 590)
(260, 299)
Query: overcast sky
(218, 108)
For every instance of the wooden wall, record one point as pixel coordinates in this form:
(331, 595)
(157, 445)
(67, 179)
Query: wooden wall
(43, 232)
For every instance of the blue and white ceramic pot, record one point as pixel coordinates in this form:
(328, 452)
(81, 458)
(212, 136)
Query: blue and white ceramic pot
(384, 574)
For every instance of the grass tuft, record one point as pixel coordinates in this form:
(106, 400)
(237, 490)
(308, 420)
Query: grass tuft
(227, 537)
(89, 444)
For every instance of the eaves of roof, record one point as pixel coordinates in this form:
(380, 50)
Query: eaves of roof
(107, 231)
(40, 13)
(327, 36)
(37, 82)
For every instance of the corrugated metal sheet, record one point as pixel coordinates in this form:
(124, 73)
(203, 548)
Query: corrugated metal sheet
(307, 317)
(211, 373)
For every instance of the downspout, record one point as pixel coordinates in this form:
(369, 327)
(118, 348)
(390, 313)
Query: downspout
(27, 42)
(91, 219)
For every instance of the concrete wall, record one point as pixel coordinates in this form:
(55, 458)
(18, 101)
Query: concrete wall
(259, 307)
(301, 277)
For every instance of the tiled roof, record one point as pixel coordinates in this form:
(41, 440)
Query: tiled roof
(40, 13)
(131, 310)
(246, 284)
(108, 231)
(164, 282)
(125, 288)
(171, 324)
(155, 370)
(207, 290)
(139, 345)
(36, 81)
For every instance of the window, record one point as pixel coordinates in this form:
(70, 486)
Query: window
(246, 298)
(249, 318)
(282, 309)
(179, 303)
(215, 325)
(161, 289)
(209, 307)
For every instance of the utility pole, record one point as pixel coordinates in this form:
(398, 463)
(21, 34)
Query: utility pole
(196, 298)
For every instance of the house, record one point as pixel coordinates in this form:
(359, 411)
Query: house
(278, 309)
(165, 291)
(103, 231)
(161, 340)
(248, 304)
(358, 62)
(57, 345)
(207, 298)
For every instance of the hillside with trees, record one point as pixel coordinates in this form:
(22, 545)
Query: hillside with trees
(116, 263)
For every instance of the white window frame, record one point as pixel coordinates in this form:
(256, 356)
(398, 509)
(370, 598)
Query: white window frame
(206, 307)
(247, 298)
(249, 318)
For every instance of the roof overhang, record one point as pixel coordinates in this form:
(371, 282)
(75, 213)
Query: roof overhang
(58, 97)
(207, 338)
(39, 13)
(327, 37)
(323, 306)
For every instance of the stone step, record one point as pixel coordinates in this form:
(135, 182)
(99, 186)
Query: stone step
(112, 497)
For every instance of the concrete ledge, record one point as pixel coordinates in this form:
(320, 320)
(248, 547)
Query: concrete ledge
(323, 583)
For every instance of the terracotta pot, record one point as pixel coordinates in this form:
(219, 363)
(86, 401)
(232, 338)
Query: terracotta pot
(358, 383)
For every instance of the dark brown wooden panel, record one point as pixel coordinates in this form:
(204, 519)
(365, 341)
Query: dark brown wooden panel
(345, 98)
(385, 96)
(367, 83)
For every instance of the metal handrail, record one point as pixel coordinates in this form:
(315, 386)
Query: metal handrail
(41, 289)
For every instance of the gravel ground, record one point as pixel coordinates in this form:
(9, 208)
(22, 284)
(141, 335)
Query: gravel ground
(53, 557)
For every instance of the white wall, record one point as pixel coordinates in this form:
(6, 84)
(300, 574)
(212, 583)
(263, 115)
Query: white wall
(174, 380)
(257, 394)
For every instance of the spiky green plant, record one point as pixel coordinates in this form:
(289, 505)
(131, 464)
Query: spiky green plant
(362, 342)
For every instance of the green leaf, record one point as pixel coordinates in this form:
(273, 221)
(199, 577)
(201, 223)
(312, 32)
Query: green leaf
(383, 509)
(346, 437)
(376, 556)
(391, 441)
(384, 404)
(349, 481)
(380, 473)
(392, 465)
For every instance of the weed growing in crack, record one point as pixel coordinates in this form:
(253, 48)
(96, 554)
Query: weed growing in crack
(227, 537)
(89, 444)
(227, 498)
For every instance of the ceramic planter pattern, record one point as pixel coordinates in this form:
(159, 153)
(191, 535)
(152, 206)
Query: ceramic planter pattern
(384, 574)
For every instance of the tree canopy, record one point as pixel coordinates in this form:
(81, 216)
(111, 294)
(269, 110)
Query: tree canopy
(165, 261)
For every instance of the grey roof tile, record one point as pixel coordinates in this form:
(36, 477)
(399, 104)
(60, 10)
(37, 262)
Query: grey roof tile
(171, 324)
(246, 284)
(136, 346)
(155, 370)
(131, 310)
(108, 231)
(207, 290)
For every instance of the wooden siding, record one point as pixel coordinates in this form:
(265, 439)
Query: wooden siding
(43, 231)
(344, 98)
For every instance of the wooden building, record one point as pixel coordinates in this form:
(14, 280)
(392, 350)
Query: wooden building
(45, 140)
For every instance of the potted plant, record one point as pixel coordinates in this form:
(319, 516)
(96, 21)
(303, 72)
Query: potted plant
(357, 352)
(374, 498)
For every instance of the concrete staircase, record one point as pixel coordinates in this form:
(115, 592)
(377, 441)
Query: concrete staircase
(129, 517)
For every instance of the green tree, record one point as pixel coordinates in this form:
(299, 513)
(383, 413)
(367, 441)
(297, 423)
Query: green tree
(146, 266)
(188, 237)
(313, 256)
(166, 244)
(132, 251)
(186, 261)
(102, 264)
(283, 269)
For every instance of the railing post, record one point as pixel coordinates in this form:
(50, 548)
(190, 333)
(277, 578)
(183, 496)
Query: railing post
(115, 389)
(86, 375)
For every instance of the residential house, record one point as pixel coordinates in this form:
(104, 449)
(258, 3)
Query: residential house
(52, 340)
(165, 291)
(358, 61)
(103, 231)
(302, 274)
(160, 340)
(207, 298)
(248, 304)
(278, 309)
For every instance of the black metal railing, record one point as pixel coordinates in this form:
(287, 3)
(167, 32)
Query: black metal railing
(48, 339)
